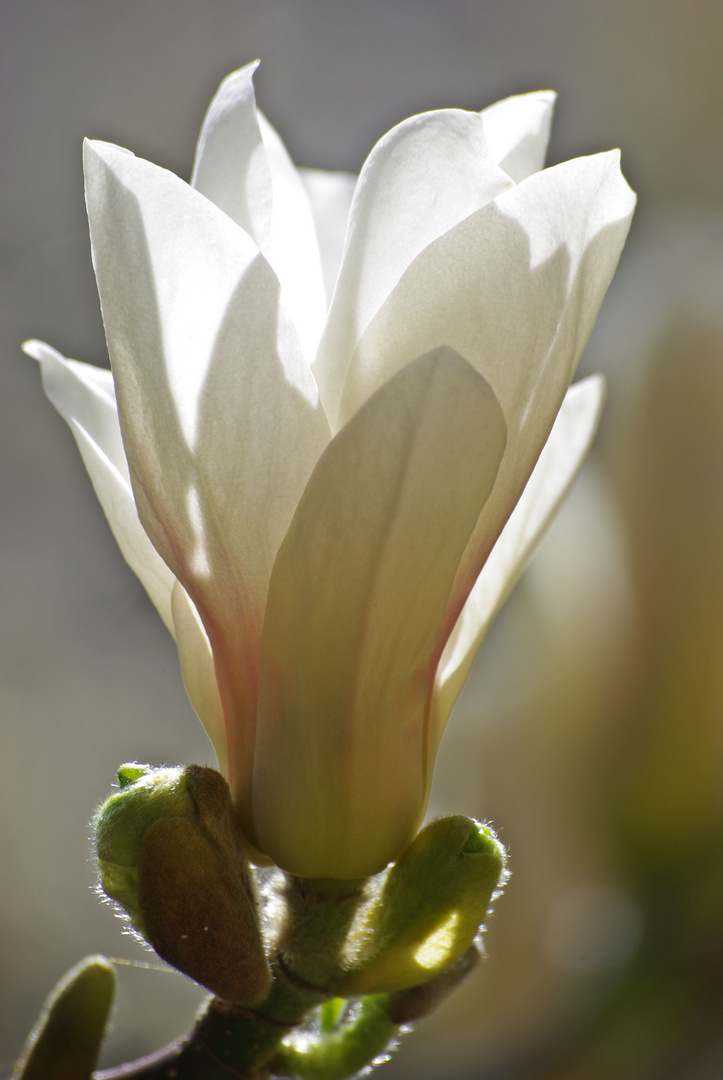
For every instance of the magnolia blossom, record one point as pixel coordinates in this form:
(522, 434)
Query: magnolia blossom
(338, 422)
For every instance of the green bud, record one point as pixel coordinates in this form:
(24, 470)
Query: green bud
(171, 854)
(65, 1042)
(431, 907)
(147, 795)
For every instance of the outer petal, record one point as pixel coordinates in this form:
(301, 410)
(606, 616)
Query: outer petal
(219, 413)
(517, 130)
(330, 195)
(357, 592)
(85, 397)
(84, 393)
(423, 177)
(556, 469)
(515, 288)
(242, 166)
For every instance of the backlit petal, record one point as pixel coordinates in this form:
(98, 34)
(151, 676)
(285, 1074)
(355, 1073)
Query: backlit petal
(293, 249)
(422, 178)
(231, 168)
(243, 167)
(356, 596)
(219, 412)
(514, 288)
(82, 392)
(85, 398)
(517, 130)
(330, 195)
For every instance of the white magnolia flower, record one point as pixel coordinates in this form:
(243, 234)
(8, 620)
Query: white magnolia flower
(327, 507)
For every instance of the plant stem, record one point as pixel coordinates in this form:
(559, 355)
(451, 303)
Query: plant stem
(231, 1041)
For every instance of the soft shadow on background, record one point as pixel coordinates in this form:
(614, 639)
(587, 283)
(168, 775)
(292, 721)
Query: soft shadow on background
(591, 731)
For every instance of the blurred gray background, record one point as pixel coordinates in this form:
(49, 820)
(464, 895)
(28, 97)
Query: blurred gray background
(88, 675)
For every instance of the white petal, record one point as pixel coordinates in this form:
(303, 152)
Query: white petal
(421, 179)
(84, 396)
(330, 195)
(231, 168)
(552, 477)
(243, 167)
(220, 415)
(517, 130)
(85, 393)
(293, 249)
(575, 250)
(356, 596)
(116, 498)
(514, 288)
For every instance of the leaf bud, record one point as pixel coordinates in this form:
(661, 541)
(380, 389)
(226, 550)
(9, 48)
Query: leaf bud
(65, 1042)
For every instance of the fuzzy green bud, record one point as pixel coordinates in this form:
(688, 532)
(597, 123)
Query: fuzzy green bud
(146, 795)
(430, 909)
(171, 855)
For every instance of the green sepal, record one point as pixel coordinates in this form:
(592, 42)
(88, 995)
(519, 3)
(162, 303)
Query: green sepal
(65, 1042)
(430, 909)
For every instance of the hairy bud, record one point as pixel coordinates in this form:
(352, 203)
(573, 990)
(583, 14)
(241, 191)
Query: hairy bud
(171, 855)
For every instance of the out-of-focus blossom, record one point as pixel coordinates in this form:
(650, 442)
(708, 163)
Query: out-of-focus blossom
(327, 506)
